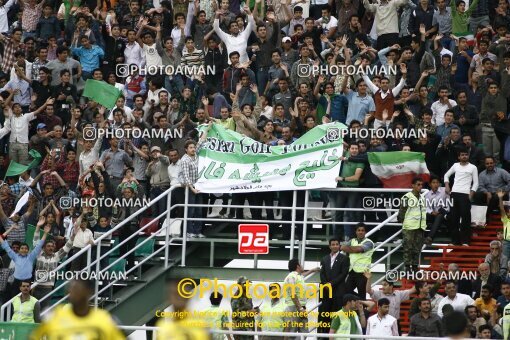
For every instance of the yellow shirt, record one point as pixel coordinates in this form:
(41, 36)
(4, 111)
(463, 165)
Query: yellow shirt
(490, 307)
(185, 329)
(65, 325)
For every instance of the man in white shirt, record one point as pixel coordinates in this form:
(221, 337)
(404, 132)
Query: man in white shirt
(464, 187)
(458, 301)
(83, 237)
(133, 54)
(18, 124)
(440, 106)
(235, 40)
(382, 324)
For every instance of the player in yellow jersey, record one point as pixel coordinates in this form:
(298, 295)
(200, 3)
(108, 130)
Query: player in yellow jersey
(183, 326)
(78, 320)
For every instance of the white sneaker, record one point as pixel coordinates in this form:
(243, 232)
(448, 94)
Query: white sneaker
(200, 235)
(188, 235)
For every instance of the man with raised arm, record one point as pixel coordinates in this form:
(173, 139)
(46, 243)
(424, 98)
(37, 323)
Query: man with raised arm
(235, 40)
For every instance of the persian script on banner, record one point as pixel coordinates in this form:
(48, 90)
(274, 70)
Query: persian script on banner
(230, 162)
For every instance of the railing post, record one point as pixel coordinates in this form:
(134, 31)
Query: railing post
(89, 258)
(167, 231)
(305, 219)
(98, 271)
(292, 225)
(185, 227)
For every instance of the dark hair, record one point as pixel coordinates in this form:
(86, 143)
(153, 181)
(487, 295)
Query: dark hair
(231, 54)
(487, 287)
(383, 302)
(333, 239)
(215, 298)
(293, 264)
(416, 180)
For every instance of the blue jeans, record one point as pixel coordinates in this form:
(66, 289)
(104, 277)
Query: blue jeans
(160, 206)
(345, 200)
(194, 227)
(506, 248)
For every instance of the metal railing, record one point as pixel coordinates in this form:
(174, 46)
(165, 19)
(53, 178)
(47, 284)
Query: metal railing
(94, 267)
(283, 334)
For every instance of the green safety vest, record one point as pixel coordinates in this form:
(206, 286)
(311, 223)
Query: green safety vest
(360, 261)
(272, 317)
(298, 290)
(24, 312)
(506, 322)
(416, 213)
(345, 322)
(214, 320)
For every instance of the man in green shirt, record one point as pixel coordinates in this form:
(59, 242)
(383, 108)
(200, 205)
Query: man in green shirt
(346, 320)
(350, 174)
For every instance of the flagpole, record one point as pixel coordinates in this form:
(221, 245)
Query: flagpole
(7, 170)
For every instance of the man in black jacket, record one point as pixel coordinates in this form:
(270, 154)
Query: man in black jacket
(486, 277)
(334, 270)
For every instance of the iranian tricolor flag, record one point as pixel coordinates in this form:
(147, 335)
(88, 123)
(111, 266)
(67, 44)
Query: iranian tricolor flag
(397, 169)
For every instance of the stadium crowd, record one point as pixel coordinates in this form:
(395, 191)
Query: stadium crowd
(444, 68)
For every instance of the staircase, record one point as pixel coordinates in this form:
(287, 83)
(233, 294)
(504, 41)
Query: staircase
(468, 259)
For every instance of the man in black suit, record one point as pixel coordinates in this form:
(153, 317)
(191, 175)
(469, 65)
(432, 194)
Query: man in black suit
(334, 270)
(486, 277)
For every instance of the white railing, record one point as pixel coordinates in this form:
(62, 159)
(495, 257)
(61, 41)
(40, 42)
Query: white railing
(95, 265)
(283, 334)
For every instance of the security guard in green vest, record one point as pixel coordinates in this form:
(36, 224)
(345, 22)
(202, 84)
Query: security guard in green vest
(26, 307)
(214, 317)
(346, 320)
(271, 317)
(506, 322)
(413, 216)
(360, 250)
(296, 317)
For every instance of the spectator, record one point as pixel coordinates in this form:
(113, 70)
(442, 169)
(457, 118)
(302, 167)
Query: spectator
(458, 301)
(465, 185)
(474, 321)
(486, 304)
(497, 262)
(382, 324)
(23, 261)
(396, 297)
(426, 323)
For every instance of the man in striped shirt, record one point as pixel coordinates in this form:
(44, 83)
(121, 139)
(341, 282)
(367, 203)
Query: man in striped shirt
(189, 165)
(191, 56)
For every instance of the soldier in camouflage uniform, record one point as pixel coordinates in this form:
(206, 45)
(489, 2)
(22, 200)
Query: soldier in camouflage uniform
(243, 304)
(412, 214)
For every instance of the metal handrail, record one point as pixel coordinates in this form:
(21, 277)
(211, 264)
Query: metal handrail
(282, 334)
(185, 220)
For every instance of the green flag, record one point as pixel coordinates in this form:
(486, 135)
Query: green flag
(17, 169)
(101, 92)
